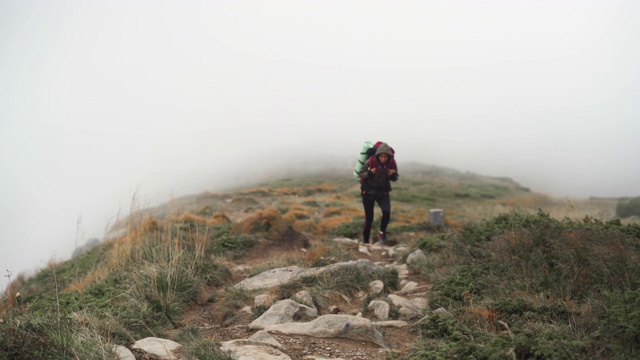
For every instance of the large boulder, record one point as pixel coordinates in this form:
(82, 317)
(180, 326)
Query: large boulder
(364, 265)
(330, 326)
(249, 350)
(161, 348)
(282, 312)
(270, 278)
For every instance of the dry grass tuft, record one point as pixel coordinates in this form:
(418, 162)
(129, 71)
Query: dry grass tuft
(93, 277)
(188, 218)
(306, 225)
(219, 218)
(268, 221)
(296, 212)
(148, 225)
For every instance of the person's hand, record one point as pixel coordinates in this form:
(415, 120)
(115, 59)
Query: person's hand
(391, 172)
(373, 170)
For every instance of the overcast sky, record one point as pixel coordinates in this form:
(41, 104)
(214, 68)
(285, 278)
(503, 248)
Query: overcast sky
(99, 99)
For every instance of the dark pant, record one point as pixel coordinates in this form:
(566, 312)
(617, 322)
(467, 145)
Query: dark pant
(368, 201)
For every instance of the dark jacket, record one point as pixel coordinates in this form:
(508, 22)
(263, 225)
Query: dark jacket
(380, 182)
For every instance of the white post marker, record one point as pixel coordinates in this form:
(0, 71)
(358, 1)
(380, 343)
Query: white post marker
(436, 217)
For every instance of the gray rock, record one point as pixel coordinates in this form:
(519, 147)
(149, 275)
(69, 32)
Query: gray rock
(391, 323)
(409, 309)
(303, 297)
(364, 249)
(123, 353)
(408, 313)
(410, 285)
(270, 278)
(346, 241)
(246, 309)
(380, 309)
(161, 348)
(328, 326)
(424, 289)
(283, 312)
(248, 350)
(366, 266)
(376, 287)
(264, 338)
(416, 257)
(262, 299)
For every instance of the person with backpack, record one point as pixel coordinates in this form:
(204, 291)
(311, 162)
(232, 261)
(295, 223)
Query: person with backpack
(375, 183)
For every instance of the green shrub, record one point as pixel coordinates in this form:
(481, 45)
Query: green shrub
(530, 286)
(431, 243)
(234, 245)
(628, 207)
(352, 230)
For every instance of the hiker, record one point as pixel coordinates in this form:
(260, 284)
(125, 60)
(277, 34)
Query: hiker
(376, 176)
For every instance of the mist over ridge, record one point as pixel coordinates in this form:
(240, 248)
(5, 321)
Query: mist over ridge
(106, 100)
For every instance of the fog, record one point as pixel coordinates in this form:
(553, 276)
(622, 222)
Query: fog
(103, 99)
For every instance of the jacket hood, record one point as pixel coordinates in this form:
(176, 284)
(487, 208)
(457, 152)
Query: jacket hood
(384, 148)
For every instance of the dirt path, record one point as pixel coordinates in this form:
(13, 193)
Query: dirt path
(209, 316)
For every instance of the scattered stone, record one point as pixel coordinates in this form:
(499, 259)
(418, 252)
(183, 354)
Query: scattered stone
(359, 314)
(416, 257)
(346, 241)
(262, 299)
(366, 266)
(282, 312)
(248, 350)
(364, 249)
(440, 311)
(409, 313)
(376, 287)
(392, 323)
(351, 327)
(334, 309)
(409, 309)
(416, 291)
(380, 309)
(403, 282)
(161, 348)
(123, 353)
(264, 337)
(303, 297)
(270, 278)
(241, 268)
(247, 309)
(409, 286)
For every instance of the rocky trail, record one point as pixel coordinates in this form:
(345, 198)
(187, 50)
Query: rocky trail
(371, 324)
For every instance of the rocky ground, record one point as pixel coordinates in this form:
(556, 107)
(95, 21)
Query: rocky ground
(298, 329)
(309, 347)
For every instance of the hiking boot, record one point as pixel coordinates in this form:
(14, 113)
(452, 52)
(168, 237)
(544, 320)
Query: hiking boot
(382, 237)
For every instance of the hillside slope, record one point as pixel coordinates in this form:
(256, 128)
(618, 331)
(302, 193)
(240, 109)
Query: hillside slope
(514, 285)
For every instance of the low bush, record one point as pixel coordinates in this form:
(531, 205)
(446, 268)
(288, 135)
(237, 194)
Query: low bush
(628, 207)
(530, 286)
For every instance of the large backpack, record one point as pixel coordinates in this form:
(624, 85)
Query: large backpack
(369, 152)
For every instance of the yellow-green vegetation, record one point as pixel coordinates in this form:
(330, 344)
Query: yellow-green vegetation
(522, 275)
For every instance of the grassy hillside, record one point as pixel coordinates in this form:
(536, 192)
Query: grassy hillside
(522, 275)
